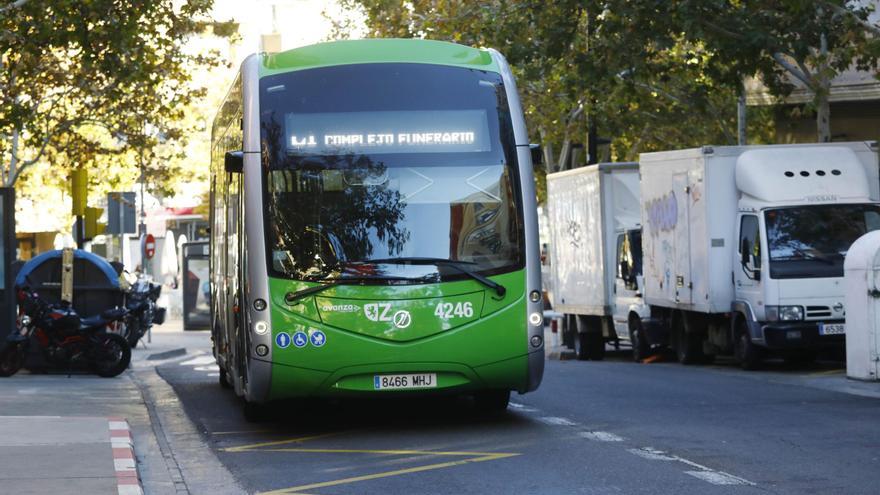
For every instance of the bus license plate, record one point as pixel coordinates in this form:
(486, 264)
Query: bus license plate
(832, 328)
(397, 382)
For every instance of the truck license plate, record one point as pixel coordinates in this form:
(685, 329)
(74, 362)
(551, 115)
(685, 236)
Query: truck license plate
(832, 329)
(412, 380)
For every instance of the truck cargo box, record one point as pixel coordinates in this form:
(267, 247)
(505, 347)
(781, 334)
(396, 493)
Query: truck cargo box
(586, 206)
(690, 201)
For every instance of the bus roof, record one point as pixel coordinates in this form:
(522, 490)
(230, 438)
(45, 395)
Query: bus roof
(377, 51)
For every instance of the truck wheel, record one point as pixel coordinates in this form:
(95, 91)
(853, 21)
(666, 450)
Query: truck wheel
(688, 346)
(580, 346)
(641, 349)
(595, 346)
(747, 354)
(569, 331)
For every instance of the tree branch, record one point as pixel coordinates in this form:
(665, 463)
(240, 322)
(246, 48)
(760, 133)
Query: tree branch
(801, 72)
(837, 9)
(14, 5)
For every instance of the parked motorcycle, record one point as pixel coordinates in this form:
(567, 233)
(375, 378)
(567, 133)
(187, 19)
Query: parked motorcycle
(66, 339)
(143, 312)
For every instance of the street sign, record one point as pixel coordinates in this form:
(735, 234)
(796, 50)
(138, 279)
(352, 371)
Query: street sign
(121, 213)
(149, 246)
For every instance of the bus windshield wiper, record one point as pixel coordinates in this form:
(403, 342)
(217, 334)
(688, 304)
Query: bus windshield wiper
(292, 297)
(499, 289)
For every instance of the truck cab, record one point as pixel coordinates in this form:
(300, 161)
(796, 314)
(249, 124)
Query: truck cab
(631, 316)
(795, 224)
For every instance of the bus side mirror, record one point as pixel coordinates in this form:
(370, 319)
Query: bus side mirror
(234, 162)
(537, 154)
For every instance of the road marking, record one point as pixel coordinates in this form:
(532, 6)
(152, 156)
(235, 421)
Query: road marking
(522, 407)
(199, 361)
(719, 478)
(601, 436)
(556, 421)
(386, 474)
(382, 452)
(704, 473)
(240, 432)
(244, 448)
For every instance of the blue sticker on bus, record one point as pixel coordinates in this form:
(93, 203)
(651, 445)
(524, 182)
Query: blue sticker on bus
(282, 340)
(318, 338)
(300, 340)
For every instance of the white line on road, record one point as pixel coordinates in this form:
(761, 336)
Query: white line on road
(601, 436)
(522, 407)
(719, 478)
(705, 473)
(556, 421)
(199, 361)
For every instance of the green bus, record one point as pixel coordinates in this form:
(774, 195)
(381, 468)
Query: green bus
(374, 227)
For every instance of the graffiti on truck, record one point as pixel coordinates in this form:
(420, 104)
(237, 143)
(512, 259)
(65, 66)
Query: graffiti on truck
(662, 213)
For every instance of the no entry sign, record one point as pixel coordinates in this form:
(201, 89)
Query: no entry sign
(149, 246)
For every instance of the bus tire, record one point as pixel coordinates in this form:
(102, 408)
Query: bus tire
(255, 412)
(224, 378)
(492, 401)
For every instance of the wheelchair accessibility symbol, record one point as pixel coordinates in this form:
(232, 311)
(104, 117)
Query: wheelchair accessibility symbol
(300, 340)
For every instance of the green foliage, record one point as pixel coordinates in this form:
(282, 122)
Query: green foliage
(100, 83)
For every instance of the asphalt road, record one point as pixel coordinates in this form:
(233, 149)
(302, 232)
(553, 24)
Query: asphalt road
(612, 427)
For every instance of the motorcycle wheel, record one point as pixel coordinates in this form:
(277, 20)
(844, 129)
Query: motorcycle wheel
(111, 354)
(11, 360)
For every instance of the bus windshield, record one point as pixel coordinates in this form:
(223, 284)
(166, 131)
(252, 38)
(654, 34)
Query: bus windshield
(812, 241)
(365, 164)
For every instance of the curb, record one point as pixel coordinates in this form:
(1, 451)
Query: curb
(127, 480)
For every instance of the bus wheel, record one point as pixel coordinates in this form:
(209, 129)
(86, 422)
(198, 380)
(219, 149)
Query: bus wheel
(224, 379)
(747, 353)
(641, 349)
(254, 412)
(492, 401)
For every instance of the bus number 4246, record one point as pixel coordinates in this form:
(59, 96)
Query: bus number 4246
(457, 310)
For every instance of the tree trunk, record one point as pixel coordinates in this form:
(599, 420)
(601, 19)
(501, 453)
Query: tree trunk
(823, 116)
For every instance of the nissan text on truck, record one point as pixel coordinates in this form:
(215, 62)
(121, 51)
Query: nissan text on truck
(595, 254)
(744, 245)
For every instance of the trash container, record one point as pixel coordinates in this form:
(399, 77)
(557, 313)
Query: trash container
(862, 282)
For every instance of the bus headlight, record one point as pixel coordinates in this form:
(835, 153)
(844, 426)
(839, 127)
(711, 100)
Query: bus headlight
(784, 313)
(536, 319)
(261, 328)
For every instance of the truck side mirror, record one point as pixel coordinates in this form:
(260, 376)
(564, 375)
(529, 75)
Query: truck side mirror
(537, 154)
(234, 162)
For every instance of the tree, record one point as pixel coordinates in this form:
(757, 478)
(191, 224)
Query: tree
(81, 81)
(612, 64)
(810, 41)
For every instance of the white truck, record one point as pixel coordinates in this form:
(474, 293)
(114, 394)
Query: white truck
(595, 258)
(744, 245)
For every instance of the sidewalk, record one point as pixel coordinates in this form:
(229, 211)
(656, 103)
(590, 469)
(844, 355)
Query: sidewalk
(55, 429)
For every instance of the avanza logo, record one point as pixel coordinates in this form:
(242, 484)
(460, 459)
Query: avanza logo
(340, 308)
(377, 311)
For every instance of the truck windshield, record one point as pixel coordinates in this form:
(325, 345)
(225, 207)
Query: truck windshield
(812, 241)
(387, 162)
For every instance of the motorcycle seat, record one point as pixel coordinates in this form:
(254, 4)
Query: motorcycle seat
(103, 318)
